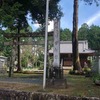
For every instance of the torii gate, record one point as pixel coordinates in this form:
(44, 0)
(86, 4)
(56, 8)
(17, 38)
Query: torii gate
(16, 36)
(56, 54)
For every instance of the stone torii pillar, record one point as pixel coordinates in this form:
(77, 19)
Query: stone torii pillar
(56, 51)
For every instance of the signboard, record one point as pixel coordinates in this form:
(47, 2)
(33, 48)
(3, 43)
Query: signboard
(56, 51)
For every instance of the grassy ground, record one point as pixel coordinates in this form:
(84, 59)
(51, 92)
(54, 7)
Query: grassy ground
(77, 85)
(80, 86)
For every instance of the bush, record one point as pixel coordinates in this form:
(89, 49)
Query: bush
(96, 78)
(87, 71)
(41, 68)
(75, 72)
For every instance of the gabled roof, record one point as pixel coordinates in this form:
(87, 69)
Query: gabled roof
(66, 47)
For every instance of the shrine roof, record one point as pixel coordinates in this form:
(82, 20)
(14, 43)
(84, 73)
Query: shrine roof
(66, 47)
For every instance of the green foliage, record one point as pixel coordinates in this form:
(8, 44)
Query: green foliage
(14, 12)
(24, 62)
(94, 37)
(1, 41)
(86, 69)
(75, 72)
(91, 2)
(83, 32)
(65, 35)
(26, 55)
(7, 51)
(37, 10)
(96, 77)
(92, 34)
(10, 14)
(4, 50)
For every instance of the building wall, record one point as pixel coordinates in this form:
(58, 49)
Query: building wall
(67, 59)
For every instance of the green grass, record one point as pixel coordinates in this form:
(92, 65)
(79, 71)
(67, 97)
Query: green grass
(82, 86)
(77, 85)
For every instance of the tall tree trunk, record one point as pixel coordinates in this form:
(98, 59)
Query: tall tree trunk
(76, 59)
(18, 48)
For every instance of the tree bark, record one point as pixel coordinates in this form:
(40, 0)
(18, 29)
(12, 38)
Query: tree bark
(76, 59)
(18, 48)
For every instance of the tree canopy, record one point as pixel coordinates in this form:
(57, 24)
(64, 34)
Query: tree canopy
(14, 15)
(14, 12)
(83, 32)
(91, 2)
(92, 34)
(94, 37)
(65, 35)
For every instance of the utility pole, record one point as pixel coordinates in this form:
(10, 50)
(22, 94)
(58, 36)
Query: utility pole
(46, 38)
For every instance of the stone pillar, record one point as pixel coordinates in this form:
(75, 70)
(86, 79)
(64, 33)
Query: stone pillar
(56, 50)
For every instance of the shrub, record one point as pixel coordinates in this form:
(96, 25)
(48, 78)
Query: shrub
(75, 72)
(96, 77)
(86, 69)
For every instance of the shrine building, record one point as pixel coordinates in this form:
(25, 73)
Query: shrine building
(85, 53)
